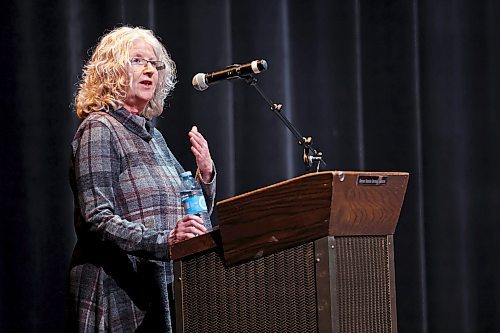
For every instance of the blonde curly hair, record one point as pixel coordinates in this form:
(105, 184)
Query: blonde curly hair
(107, 76)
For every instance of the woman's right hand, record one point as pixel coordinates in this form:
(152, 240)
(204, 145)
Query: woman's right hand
(189, 226)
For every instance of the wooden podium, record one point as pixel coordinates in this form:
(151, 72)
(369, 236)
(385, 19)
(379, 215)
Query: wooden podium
(311, 254)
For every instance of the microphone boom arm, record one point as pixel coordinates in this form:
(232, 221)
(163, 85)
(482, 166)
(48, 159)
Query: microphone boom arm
(311, 155)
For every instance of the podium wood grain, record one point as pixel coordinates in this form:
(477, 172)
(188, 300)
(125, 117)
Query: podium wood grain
(306, 208)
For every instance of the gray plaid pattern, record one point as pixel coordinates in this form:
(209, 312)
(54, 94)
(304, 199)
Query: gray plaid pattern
(126, 185)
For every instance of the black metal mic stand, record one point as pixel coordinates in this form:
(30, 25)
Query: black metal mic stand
(311, 155)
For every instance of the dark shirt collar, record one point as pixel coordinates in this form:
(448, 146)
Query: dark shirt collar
(135, 124)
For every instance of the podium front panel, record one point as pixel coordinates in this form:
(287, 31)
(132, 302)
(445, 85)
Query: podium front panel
(276, 293)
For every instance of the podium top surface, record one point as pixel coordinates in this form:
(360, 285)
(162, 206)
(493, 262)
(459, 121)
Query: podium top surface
(328, 174)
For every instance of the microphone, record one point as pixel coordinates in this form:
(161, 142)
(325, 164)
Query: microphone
(202, 81)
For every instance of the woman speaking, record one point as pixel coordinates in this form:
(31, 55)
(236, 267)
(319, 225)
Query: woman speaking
(126, 186)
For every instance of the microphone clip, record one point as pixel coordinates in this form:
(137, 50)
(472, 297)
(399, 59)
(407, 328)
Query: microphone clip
(311, 155)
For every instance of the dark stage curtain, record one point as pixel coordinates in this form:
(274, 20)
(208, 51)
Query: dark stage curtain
(380, 85)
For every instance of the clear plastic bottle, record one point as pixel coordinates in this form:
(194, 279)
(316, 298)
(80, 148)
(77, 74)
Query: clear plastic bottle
(192, 198)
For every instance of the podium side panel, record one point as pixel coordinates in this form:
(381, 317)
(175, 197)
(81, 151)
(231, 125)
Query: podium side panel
(363, 208)
(364, 275)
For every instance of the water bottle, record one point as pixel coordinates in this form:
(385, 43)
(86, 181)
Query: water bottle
(192, 198)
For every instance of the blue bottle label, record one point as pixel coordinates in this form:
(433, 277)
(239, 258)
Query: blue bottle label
(194, 204)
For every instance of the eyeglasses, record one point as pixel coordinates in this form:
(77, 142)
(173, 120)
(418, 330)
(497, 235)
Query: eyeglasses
(159, 65)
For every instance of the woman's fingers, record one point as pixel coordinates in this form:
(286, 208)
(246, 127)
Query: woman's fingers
(188, 227)
(199, 147)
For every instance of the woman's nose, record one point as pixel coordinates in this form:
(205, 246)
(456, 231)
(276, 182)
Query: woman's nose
(149, 68)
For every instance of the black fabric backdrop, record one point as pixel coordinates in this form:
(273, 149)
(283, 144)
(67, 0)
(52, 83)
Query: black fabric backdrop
(379, 85)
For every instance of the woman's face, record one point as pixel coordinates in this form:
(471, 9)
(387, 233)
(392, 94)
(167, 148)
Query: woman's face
(144, 78)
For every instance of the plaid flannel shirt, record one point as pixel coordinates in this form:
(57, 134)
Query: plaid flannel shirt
(126, 185)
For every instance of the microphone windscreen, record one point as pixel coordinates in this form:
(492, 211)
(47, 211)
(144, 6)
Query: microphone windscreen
(199, 82)
(259, 66)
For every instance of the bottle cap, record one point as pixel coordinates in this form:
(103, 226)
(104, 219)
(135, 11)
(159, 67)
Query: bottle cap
(186, 174)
